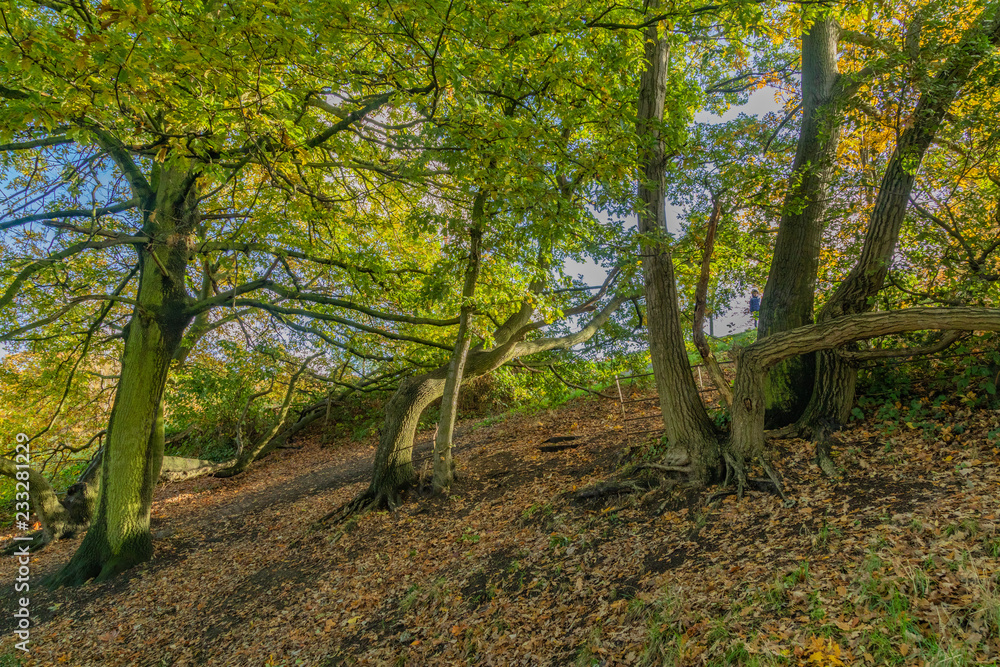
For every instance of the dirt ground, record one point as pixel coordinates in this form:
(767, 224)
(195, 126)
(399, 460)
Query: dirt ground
(895, 563)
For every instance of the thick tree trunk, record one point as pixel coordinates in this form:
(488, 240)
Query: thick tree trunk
(791, 282)
(444, 465)
(690, 432)
(119, 536)
(394, 457)
(832, 400)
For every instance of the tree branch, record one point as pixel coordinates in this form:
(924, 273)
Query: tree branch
(71, 213)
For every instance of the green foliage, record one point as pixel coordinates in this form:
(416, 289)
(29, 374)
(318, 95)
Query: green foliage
(209, 395)
(930, 395)
(10, 659)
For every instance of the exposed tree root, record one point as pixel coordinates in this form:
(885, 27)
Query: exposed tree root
(665, 468)
(604, 489)
(824, 447)
(39, 540)
(344, 516)
(824, 460)
(736, 470)
(791, 431)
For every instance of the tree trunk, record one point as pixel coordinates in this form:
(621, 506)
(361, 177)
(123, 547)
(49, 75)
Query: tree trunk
(831, 401)
(747, 435)
(54, 517)
(394, 457)
(393, 467)
(791, 282)
(701, 305)
(690, 432)
(119, 536)
(444, 465)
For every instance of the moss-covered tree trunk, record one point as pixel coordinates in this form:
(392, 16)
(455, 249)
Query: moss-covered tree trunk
(690, 432)
(119, 535)
(791, 282)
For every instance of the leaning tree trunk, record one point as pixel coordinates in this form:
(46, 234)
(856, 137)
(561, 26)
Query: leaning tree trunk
(394, 456)
(54, 517)
(64, 518)
(119, 536)
(690, 432)
(393, 467)
(444, 464)
(791, 282)
(832, 399)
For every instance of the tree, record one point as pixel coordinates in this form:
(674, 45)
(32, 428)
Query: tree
(833, 393)
(694, 443)
(180, 111)
(747, 439)
(791, 283)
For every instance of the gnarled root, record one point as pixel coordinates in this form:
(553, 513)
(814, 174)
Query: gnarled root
(603, 489)
(736, 471)
(824, 447)
(39, 539)
(362, 504)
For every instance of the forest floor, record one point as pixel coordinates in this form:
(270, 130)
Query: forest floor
(898, 563)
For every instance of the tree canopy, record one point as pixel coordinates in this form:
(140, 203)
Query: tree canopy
(327, 200)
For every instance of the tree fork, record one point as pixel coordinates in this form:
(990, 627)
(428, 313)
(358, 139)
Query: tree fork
(831, 400)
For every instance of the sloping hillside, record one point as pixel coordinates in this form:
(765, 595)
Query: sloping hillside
(895, 565)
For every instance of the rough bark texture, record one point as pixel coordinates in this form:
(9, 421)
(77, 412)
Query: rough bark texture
(119, 536)
(394, 457)
(178, 468)
(747, 437)
(831, 400)
(690, 432)
(701, 305)
(444, 465)
(54, 517)
(791, 282)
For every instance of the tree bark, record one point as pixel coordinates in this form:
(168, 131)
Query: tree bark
(753, 361)
(701, 305)
(831, 400)
(791, 281)
(690, 432)
(119, 536)
(54, 517)
(444, 465)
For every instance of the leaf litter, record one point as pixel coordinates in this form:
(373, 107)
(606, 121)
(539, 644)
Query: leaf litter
(894, 564)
